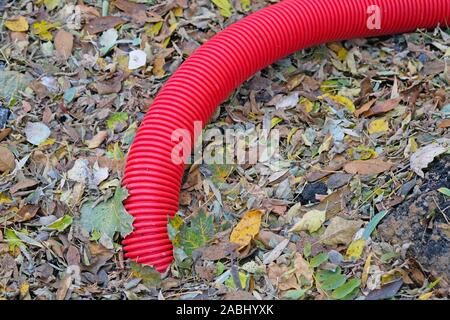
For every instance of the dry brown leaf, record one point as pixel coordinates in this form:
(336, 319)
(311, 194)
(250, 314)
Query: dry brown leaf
(340, 231)
(280, 277)
(444, 124)
(383, 107)
(365, 107)
(23, 184)
(130, 7)
(101, 24)
(26, 213)
(98, 139)
(63, 44)
(302, 268)
(7, 161)
(366, 167)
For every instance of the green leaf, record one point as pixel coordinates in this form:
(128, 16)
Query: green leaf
(334, 281)
(61, 224)
(445, 191)
(199, 232)
(51, 4)
(108, 216)
(116, 118)
(373, 224)
(150, 277)
(307, 250)
(294, 294)
(318, 260)
(13, 240)
(11, 82)
(69, 95)
(346, 289)
(224, 6)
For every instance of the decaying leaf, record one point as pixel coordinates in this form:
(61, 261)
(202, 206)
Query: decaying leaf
(366, 167)
(425, 155)
(340, 231)
(311, 221)
(63, 44)
(19, 24)
(7, 160)
(198, 233)
(107, 217)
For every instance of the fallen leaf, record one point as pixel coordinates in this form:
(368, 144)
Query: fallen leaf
(19, 24)
(107, 217)
(424, 156)
(60, 224)
(7, 160)
(311, 221)
(280, 277)
(63, 44)
(383, 107)
(11, 82)
(224, 6)
(101, 24)
(355, 250)
(137, 59)
(98, 139)
(36, 132)
(247, 228)
(346, 289)
(378, 126)
(42, 29)
(302, 268)
(51, 4)
(26, 213)
(107, 40)
(365, 107)
(444, 123)
(340, 231)
(198, 233)
(367, 167)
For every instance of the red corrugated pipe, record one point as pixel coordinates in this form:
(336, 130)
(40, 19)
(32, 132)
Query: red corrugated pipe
(217, 68)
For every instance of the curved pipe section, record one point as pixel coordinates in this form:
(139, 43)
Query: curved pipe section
(217, 68)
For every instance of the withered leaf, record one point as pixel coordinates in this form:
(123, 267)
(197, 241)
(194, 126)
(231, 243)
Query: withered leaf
(63, 44)
(383, 107)
(101, 24)
(367, 167)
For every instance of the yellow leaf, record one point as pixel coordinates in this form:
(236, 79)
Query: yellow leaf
(42, 29)
(426, 296)
(4, 198)
(355, 249)
(245, 5)
(51, 4)
(378, 125)
(19, 24)
(23, 290)
(247, 228)
(344, 101)
(178, 12)
(366, 269)
(307, 103)
(155, 29)
(311, 221)
(224, 6)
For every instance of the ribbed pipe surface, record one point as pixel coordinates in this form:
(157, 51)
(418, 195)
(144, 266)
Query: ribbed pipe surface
(217, 68)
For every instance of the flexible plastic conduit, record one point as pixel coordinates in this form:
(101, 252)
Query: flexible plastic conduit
(217, 68)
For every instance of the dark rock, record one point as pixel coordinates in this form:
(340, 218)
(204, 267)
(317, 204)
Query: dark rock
(309, 192)
(4, 115)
